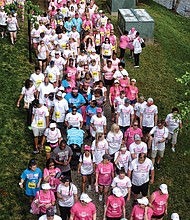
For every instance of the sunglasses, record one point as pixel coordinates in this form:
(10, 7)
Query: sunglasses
(135, 125)
(51, 165)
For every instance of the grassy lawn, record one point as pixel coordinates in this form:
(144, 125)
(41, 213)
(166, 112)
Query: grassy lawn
(160, 63)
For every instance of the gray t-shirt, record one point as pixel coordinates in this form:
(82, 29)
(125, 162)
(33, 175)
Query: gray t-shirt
(62, 156)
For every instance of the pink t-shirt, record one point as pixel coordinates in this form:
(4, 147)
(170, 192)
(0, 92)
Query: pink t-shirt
(105, 173)
(81, 212)
(132, 92)
(138, 213)
(115, 63)
(44, 199)
(114, 206)
(115, 92)
(159, 203)
(129, 134)
(112, 39)
(108, 72)
(54, 182)
(124, 40)
(124, 82)
(72, 71)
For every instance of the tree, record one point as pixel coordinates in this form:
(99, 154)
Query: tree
(185, 105)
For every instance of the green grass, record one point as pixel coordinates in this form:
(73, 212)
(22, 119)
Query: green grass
(160, 63)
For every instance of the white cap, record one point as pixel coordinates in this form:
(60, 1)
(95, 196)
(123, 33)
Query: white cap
(61, 23)
(52, 125)
(46, 186)
(143, 201)
(133, 80)
(100, 11)
(93, 50)
(116, 81)
(84, 197)
(175, 216)
(137, 137)
(59, 93)
(117, 192)
(164, 188)
(150, 100)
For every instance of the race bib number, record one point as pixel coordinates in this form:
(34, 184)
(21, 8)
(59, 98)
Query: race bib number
(87, 27)
(58, 21)
(63, 45)
(106, 52)
(50, 76)
(64, 10)
(102, 33)
(113, 47)
(57, 114)
(38, 82)
(95, 73)
(31, 185)
(40, 123)
(97, 41)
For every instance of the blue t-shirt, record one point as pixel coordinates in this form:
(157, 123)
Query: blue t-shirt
(92, 111)
(68, 25)
(75, 101)
(31, 179)
(78, 23)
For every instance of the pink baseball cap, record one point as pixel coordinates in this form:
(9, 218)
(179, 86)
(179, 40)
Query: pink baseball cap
(99, 110)
(86, 147)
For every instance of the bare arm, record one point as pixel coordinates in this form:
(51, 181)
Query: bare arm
(20, 98)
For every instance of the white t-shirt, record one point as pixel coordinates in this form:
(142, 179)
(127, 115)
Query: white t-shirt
(3, 18)
(159, 134)
(140, 174)
(52, 136)
(136, 149)
(114, 141)
(148, 113)
(60, 109)
(74, 120)
(37, 79)
(119, 101)
(119, 74)
(98, 123)
(44, 217)
(137, 45)
(87, 164)
(52, 73)
(125, 113)
(12, 24)
(68, 195)
(173, 123)
(28, 93)
(42, 52)
(123, 160)
(138, 106)
(123, 184)
(99, 150)
(40, 115)
(59, 62)
(35, 35)
(43, 89)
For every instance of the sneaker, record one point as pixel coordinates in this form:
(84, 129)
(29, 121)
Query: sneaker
(36, 151)
(29, 128)
(31, 211)
(173, 149)
(136, 66)
(158, 166)
(100, 198)
(89, 188)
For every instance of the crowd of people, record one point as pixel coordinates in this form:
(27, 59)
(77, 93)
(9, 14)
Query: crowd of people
(79, 80)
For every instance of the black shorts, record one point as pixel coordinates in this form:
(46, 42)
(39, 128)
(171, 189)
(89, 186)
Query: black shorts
(143, 189)
(43, 61)
(3, 27)
(112, 109)
(146, 130)
(158, 216)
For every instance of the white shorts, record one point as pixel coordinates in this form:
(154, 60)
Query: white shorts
(38, 131)
(173, 137)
